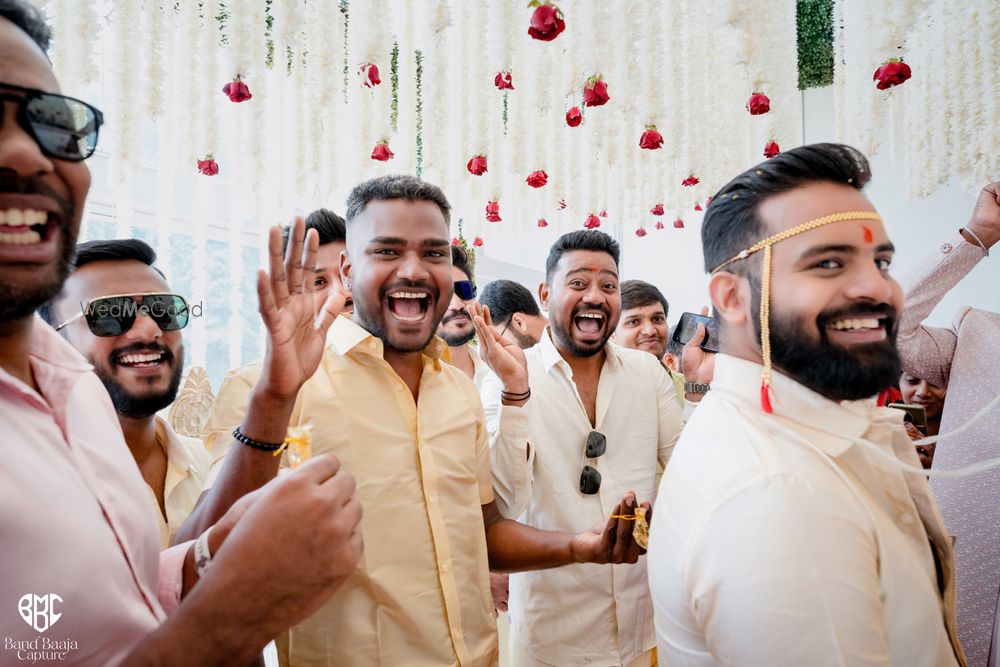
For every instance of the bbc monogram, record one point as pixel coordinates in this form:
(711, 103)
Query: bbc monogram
(39, 611)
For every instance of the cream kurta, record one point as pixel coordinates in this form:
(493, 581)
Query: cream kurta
(187, 470)
(421, 593)
(766, 550)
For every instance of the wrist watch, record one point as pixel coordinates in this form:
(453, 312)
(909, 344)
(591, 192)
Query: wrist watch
(696, 388)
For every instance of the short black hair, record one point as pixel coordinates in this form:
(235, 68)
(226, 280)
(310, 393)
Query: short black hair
(639, 293)
(29, 19)
(330, 227)
(582, 239)
(504, 298)
(395, 186)
(731, 221)
(100, 250)
(462, 261)
(675, 347)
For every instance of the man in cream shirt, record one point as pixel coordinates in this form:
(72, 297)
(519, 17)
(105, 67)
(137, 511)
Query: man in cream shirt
(795, 525)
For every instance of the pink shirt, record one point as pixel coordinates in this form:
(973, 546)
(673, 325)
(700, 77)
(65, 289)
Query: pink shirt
(75, 518)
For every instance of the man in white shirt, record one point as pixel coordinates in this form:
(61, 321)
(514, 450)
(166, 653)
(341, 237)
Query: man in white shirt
(795, 525)
(577, 423)
(118, 311)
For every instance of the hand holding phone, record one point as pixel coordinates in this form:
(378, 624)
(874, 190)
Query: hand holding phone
(687, 327)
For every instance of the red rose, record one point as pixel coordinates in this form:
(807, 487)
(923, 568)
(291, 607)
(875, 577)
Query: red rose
(697, 207)
(502, 81)
(595, 92)
(758, 103)
(478, 242)
(690, 181)
(650, 139)
(537, 179)
(678, 224)
(657, 210)
(456, 241)
(237, 90)
(892, 73)
(493, 211)
(574, 117)
(771, 149)
(593, 222)
(382, 152)
(603, 214)
(562, 204)
(659, 224)
(208, 166)
(546, 23)
(369, 75)
(542, 222)
(477, 165)
(640, 232)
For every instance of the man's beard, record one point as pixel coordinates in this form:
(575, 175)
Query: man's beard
(374, 322)
(838, 373)
(130, 405)
(565, 336)
(19, 300)
(524, 341)
(454, 339)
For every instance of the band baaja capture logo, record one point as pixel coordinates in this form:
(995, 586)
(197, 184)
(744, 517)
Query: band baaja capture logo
(40, 612)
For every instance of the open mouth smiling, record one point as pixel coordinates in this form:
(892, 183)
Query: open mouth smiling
(408, 306)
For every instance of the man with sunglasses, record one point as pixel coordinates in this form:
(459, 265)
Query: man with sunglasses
(577, 422)
(117, 310)
(456, 327)
(79, 548)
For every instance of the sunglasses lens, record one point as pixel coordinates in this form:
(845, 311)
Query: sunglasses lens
(169, 311)
(590, 481)
(65, 128)
(465, 289)
(110, 317)
(597, 444)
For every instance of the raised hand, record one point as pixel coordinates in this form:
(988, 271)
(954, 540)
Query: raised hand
(698, 365)
(985, 222)
(296, 333)
(504, 357)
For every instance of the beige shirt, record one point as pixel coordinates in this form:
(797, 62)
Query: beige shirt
(421, 593)
(797, 547)
(581, 614)
(188, 464)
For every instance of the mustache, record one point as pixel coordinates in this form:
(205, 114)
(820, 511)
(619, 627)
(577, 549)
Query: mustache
(12, 183)
(858, 311)
(135, 348)
(454, 314)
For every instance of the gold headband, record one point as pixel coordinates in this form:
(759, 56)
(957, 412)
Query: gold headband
(765, 285)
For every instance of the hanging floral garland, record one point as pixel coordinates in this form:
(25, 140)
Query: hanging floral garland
(419, 110)
(394, 80)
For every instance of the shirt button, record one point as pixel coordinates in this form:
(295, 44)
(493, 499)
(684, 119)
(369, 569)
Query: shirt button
(906, 519)
(372, 345)
(432, 498)
(446, 566)
(946, 248)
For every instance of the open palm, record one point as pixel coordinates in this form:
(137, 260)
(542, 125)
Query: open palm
(296, 333)
(504, 357)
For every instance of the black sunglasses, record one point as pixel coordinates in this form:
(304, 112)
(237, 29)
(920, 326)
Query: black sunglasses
(590, 478)
(64, 128)
(465, 289)
(114, 315)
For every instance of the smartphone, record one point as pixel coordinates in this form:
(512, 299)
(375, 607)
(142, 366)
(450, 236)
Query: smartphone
(915, 413)
(687, 327)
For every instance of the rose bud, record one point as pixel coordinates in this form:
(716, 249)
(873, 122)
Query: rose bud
(493, 211)
(546, 23)
(503, 81)
(678, 223)
(537, 179)
(640, 232)
(542, 222)
(382, 152)
(650, 139)
(657, 210)
(478, 242)
(690, 181)
(562, 204)
(659, 224)
(477, 165)
(236, 90)
(208, 166)
(574, 117)
(892, 73)
(593, 222)
(771, 149)
(369, 75)
(697, 207)
(758, 104)
(595, 92)
(456, 241)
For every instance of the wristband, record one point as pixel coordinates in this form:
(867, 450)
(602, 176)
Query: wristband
(202, 553)
(696, 388)
(508, 396)
(986, 251)
(250, 442)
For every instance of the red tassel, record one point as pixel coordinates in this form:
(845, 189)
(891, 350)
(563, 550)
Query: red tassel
(765, 399)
